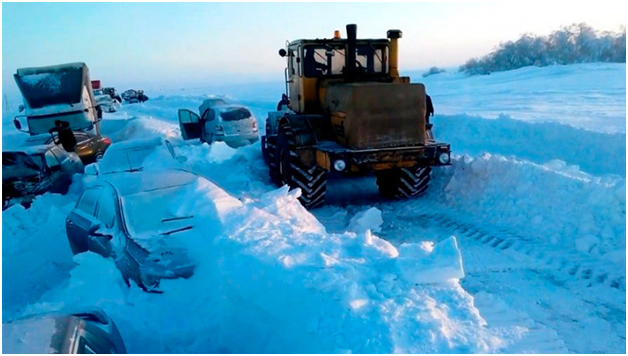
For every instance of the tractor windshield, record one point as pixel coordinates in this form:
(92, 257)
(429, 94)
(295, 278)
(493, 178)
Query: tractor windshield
(328, 60)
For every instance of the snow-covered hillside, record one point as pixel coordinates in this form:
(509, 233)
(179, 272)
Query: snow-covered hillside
(518, 247)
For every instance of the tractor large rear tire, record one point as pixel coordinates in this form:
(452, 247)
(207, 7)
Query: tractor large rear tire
(269, 151)
(403, 182)
(311, 180)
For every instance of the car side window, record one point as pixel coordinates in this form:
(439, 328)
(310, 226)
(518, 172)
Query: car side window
(87, 201)
(107, 208)
(211, 114)
(51, 161)
(80, 137)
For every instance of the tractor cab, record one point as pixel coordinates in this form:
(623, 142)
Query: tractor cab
(313, 65)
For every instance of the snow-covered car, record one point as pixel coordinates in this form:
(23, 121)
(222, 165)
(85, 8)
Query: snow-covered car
(134, 96)
(233, 124)
(64, 332)
(89, 147)
(36, 170)
(131, 156)
(105, 101)
(138, 219)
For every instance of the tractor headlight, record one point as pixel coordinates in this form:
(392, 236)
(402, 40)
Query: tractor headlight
(444, 158)
(340, 165)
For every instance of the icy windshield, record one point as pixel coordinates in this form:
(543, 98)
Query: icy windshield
(19, 164)
(78, 121)
(129, 159)
(45, 89)
(235, 114)
(168, 216)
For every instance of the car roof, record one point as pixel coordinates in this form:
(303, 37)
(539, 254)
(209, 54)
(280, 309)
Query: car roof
(229, 106)
(149, 181)
(32, 150)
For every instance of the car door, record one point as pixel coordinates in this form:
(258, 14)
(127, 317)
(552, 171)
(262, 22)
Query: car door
(84, 146)
(106, 215)
(190, 125)
(57, 179)
(82, 219)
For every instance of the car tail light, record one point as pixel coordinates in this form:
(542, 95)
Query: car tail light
(254, 125)
(107, 140)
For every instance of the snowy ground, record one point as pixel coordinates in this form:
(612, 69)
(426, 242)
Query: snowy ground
(519, 246)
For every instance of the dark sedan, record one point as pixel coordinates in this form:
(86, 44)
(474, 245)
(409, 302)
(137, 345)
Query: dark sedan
(64, 332)
(135, 219)
(36, 170)
(89, 147)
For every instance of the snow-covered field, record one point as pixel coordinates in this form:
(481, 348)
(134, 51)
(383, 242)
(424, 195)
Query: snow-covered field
(519, 246)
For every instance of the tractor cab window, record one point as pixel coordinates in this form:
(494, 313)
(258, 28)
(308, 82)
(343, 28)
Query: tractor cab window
(325, 60)
(371, 59)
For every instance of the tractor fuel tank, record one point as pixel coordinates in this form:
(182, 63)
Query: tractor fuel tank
(377, 115)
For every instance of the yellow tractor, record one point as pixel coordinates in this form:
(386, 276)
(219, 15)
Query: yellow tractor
(347, 111)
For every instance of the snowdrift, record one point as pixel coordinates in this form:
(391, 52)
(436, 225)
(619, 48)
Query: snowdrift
(555, 202)
(594, 152)
(271, 279)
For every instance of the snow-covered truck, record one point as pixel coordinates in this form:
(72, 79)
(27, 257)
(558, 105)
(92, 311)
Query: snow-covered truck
(59, 92)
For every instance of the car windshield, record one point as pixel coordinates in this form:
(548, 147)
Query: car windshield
(19, 164)
(78, 120)
(235, 114)
(130, 159)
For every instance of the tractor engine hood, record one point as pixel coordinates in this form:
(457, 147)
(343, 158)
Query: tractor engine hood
(377, 115)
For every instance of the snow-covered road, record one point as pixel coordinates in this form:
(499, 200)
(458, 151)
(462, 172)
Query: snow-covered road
(536, 209)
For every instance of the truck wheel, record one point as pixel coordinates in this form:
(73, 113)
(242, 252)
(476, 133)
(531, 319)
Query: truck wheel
(403, 182)
(311, 180)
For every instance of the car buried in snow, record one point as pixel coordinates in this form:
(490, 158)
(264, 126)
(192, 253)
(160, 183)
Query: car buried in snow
(89, 147)
(35, 170)
(130, 156)
(63, 332)
(233, 124)
(133, 96)
(137, 219)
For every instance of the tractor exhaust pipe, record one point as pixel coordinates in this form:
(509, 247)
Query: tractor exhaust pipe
(394, 36)
(352, 31)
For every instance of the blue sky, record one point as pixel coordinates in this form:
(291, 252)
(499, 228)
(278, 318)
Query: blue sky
(177, 44)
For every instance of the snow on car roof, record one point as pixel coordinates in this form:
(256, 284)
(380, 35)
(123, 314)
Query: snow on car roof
(151, 181)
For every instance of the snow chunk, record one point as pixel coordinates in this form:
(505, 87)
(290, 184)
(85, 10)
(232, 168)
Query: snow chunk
(370, 219)
(442, 263)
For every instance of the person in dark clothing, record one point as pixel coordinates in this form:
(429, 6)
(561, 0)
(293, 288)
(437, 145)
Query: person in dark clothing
(283, 102)
(429, 109)
(65, 134)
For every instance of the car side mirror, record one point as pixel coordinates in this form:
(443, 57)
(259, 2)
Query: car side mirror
(92, 169)
(21, 108)
(282, 52)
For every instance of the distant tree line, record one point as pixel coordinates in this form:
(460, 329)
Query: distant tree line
(577, 43)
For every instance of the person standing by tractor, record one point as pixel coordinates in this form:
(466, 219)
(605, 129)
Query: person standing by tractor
(65, 134)
(283, 103)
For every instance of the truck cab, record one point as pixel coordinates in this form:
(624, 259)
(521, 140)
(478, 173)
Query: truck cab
(60, 92)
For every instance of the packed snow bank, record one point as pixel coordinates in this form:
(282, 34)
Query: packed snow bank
(554, 202)
(36, 255)
(269, 279)
(591, 96)
(596, 153)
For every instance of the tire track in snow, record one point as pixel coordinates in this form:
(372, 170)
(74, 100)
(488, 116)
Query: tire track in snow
(536, 337)
(572, 265)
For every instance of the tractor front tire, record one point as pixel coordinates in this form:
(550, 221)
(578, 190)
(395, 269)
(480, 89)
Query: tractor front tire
(403, 182)
(311, 180)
